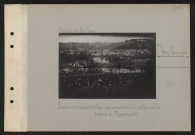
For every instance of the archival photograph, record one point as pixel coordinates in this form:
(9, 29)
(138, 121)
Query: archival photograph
(107, 65)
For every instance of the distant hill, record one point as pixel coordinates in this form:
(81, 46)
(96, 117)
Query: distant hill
(127, 45)
(137, 44)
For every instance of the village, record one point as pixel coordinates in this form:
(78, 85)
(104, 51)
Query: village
(105, 69)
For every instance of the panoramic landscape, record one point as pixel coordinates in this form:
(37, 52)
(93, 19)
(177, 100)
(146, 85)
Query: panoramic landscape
(107, 65)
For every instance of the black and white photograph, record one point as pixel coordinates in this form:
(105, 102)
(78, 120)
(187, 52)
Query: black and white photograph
(107, 65)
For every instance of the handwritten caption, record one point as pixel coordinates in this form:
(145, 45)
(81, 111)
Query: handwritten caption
(77, 30)
(170, 52)
(113, 110)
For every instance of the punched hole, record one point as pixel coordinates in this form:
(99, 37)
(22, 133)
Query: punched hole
(11, 101)
(11, 88)
(12, 33)
(11, 46)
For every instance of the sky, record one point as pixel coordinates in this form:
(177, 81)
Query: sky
(96, 38)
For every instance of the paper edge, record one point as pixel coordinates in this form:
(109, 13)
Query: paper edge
(15, 114)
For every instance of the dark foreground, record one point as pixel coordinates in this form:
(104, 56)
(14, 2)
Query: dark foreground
(108, 85)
